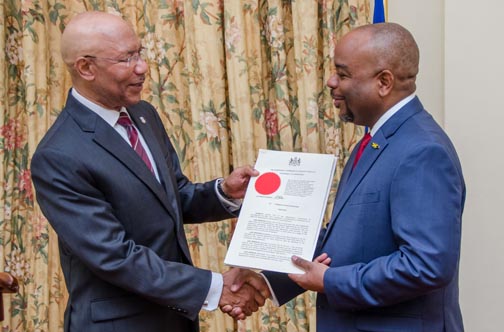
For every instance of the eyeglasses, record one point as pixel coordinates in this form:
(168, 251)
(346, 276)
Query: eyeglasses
(130, 60)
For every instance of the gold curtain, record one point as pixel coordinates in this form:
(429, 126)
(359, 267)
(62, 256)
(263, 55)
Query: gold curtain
(228, 77)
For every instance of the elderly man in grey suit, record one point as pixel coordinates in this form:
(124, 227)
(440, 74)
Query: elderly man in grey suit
(109, 182)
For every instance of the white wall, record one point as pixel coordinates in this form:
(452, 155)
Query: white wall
(425, 20)
(462, 72)
(474, 118)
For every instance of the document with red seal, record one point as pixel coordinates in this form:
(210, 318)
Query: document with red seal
(282, 211)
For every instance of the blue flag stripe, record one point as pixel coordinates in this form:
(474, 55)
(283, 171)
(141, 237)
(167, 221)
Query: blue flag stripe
(379, 12)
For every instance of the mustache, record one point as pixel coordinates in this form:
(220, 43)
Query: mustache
(334, 95)
(141, 79)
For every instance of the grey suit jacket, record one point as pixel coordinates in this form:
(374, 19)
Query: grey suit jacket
(122, 245)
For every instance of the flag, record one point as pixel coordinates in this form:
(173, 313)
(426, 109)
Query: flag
(379, 11)
(378, 17)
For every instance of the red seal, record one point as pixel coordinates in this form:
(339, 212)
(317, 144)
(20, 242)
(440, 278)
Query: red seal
(267, 183)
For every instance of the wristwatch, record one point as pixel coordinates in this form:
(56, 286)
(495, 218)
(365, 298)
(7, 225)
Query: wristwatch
(221, 192)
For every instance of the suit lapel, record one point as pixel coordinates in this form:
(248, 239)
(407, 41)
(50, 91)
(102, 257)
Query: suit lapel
(106, 137)
(165, 176)
(351, 179)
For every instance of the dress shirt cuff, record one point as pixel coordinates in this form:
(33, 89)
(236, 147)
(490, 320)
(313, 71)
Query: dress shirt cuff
(214, 294)
(232, 205)
(273, 296)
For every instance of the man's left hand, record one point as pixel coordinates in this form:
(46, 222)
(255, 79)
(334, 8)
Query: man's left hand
(313, 278)
(236, 183)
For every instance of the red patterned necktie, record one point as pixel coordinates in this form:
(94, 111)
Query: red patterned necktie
(364, 142)
(125, 121)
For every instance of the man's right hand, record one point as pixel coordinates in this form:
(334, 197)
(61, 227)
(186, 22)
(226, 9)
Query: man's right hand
(242, 302)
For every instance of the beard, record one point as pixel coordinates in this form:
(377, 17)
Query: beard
(347, 118)
(346, 115)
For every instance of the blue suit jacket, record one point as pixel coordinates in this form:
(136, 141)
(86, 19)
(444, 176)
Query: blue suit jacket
(122, 245)
(394, 236)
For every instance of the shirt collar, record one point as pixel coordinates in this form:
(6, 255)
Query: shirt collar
(388, 114)
(110, 116)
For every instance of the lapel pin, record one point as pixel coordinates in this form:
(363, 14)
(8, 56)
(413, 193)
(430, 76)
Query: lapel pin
(142, 119)
(375, 145)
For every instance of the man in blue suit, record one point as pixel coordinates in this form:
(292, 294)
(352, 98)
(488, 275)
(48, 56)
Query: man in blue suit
(395, 231)
(109, 181)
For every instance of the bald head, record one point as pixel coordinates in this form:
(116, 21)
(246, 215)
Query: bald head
(90, 33)
(394, 48)
(103, 55)
(376, 67)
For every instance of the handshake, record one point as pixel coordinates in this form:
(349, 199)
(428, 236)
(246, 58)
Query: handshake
(244, 291)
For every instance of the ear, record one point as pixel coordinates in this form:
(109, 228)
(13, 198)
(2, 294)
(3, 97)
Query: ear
(85, 69)
(385, 82)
